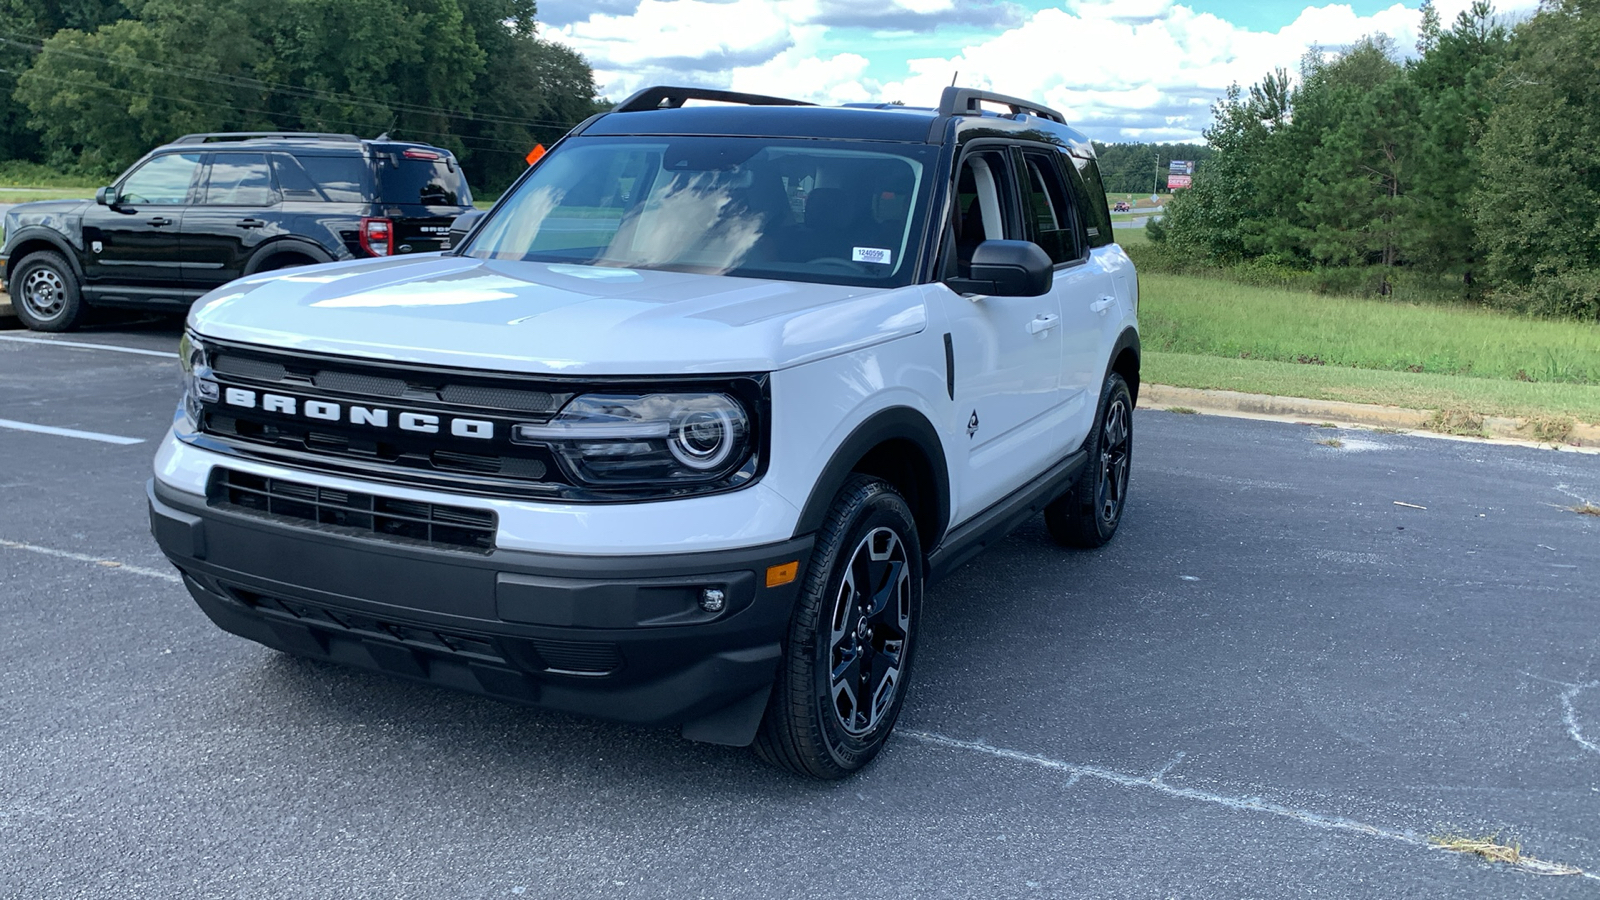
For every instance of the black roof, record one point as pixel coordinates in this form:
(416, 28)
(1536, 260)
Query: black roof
(960, 116)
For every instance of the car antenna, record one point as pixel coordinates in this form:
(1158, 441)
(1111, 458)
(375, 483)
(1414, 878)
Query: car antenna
(953, 76)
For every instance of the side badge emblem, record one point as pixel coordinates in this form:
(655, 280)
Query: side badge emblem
(972, 424)
(96, 245)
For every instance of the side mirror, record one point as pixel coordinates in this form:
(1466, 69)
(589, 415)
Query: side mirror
(462, 225)
(1007, 269)
(106, 196)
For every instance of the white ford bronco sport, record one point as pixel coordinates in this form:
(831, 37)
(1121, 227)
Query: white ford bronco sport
(679, 431)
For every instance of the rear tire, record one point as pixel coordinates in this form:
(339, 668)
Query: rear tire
(44, 293)
(1087, 516)
(851, 638)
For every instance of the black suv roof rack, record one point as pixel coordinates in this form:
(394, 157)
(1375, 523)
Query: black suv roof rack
(960, 101)
(661, 97)
(278, 135)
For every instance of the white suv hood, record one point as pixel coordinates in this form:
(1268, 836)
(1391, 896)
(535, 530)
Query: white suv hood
(551, 318)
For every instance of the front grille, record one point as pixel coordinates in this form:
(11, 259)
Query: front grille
(350, 512)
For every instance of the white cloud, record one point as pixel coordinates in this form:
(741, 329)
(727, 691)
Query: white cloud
(1119, 69)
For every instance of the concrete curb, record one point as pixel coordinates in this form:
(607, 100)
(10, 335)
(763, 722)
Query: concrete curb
(1362, 414)
(6, 311)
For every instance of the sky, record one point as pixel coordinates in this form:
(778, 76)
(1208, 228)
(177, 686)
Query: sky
(1120, 70)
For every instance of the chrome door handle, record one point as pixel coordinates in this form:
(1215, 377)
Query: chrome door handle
(1043, 323)
(1100, 306)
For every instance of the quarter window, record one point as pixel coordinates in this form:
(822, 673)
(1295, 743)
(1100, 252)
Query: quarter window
(163, 181)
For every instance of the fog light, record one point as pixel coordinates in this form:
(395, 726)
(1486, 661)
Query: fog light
(712, 599)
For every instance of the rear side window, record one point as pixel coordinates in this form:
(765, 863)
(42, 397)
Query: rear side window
(430, 182)
(1092, 201)
(338, 179)
(240, 179)
(1050, 217)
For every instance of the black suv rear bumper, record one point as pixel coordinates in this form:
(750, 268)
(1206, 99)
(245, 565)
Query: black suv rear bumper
(620, 638)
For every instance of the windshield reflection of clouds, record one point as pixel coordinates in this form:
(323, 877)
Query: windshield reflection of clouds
(672, 229)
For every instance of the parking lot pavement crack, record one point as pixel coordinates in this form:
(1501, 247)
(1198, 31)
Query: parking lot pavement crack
(1259, 805)
(110, 564)
(1570, 714)
(1161, 773)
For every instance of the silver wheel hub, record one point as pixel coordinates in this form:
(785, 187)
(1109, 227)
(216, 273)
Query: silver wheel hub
(44, 292)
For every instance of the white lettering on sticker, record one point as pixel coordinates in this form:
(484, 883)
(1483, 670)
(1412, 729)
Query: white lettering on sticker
(318, 409)
(419, 422)
(240, 397)
(873, 255)
(360, 415)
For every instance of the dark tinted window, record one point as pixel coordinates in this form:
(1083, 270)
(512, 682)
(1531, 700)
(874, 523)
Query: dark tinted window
(985, 204)
(1092, 200)
(293, 182)
(163, 181)
(342, 179)
(240, 179)
(432, 182)
(1050, 215)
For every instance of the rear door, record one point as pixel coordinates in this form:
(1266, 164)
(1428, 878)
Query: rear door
(137, 242)
(421, 191)
(237, 213)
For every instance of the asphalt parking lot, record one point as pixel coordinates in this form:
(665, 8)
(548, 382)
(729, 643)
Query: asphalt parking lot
(1275, 682)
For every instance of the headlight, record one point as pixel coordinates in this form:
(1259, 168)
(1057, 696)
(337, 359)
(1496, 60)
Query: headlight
(612, 439)
(195, 357)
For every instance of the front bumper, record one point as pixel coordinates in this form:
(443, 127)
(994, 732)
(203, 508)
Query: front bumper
(618, 637)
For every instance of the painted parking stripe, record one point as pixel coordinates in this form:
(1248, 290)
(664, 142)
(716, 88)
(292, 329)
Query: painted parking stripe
(88, 346)
(70, 432)
(84, 557)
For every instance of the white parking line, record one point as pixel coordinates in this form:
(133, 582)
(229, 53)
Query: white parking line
(84, 557)
(1156, 782)
(112, 347)
(70, 432)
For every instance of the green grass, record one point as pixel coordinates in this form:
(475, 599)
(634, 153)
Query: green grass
(28, 195)
(1196, 316)
(1512, 399)
(1131, 237)
(16, 173)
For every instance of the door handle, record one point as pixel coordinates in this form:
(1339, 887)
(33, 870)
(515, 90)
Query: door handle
(1043, 323)
(159, 221)
(1100, 306)
(249, 223)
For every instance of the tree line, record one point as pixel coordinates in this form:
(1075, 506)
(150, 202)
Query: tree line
(1142, 168)
(91, 85)
(1473, 164)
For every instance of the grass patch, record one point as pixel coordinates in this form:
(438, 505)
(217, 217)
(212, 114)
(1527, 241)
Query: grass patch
(1183, 410)
(28, 195)
(1489, 847)
(1456, 420)
(1131, 237)
(1549, 429)
(1331, 442)
(16, 173)
(1512, 399)
(1193, 315)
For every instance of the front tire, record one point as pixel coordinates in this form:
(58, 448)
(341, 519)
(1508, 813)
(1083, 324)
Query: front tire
(44, 293)
(1087, 516)
(851, 638)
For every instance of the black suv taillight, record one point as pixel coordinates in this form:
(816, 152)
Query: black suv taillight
(377, 236)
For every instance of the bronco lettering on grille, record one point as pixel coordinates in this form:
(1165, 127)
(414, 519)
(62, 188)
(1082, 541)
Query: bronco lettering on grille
(371, 417)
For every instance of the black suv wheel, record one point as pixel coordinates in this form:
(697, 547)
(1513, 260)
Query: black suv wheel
(44, 293)
(851, 639)
(1087, 516)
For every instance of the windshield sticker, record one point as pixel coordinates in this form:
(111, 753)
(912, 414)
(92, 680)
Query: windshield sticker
(872, 255)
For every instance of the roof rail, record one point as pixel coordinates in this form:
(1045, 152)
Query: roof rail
(959, 101)
(280, 135)
(660, 97)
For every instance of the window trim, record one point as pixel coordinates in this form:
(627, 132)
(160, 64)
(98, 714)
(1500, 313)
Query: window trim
(945, 267)
(199, 194)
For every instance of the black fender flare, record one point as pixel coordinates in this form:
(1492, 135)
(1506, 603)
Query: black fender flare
(29, 234)
(285, 245)
(894, 423)
(1127, 340)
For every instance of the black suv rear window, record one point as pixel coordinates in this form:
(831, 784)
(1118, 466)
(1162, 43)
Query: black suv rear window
(337, 179)
(430, 182)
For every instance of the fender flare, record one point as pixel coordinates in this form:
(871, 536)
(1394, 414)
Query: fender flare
(285, 244)
(41, 233)
(893, 423)
(1127, 340)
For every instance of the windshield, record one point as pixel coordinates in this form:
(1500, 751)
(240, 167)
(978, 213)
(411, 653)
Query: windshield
(839, 212)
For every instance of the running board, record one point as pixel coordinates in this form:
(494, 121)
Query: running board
(988, 527)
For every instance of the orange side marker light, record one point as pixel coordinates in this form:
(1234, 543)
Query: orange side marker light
(778, 576)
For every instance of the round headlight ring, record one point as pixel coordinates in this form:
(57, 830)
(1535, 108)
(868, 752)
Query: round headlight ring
(702, 439)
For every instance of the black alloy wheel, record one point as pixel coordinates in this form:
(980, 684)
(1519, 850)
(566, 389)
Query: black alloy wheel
(1087, 516)
(44, 293)
(848, 657)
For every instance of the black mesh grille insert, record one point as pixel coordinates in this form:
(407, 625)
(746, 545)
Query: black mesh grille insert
(441, 642)
(499, 398)
(447, 527)
(583, 657)
(353, 383)
(245, 367)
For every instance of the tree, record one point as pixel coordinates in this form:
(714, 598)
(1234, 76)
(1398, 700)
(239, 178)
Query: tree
(24, 25)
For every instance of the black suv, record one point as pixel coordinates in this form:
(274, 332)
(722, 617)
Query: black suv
(209, 208)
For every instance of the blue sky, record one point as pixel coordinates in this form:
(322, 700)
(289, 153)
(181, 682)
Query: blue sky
(1121, 70)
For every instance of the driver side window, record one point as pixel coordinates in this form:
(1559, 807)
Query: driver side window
(163, 181)
(985, 207)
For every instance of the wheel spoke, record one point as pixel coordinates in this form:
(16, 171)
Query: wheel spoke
(871, 626)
